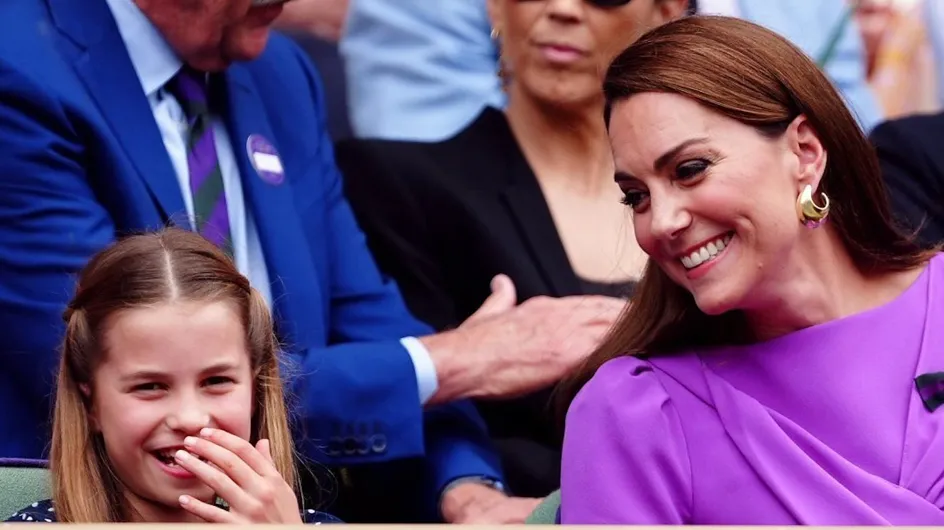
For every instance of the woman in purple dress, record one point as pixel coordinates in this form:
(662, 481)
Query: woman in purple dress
(783, 362)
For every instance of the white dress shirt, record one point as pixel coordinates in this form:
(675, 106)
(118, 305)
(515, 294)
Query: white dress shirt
(156, 64)
(727, 8)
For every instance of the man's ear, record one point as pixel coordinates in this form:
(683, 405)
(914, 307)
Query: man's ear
(811, 156)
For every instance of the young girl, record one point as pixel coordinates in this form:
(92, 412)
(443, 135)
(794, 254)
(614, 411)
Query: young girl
(169, 405)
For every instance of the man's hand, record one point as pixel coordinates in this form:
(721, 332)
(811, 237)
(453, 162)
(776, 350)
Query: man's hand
(480, 504)
(505, 350)
(321, 18)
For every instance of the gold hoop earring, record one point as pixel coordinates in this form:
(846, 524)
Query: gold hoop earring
(501, 70)
(809, 213)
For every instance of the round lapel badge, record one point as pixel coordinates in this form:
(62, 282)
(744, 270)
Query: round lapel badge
(265, 159)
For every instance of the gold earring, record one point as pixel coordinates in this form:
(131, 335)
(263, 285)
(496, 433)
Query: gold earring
(809, 213)
(502, 71)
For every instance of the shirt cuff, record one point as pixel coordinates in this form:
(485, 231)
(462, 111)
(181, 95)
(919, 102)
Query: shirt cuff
(426, 379)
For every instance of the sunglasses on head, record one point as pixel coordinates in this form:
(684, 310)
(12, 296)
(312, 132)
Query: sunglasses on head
(608, 3)
(600, 3)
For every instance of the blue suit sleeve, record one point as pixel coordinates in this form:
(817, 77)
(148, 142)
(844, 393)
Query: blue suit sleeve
(50, 224)
(457, 446)
(418, 72)
(366, 313)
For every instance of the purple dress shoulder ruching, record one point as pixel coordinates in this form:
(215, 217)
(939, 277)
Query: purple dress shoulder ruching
(836, 424)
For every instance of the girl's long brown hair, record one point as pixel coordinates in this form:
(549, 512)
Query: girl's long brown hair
(754, 76)
(140, 271)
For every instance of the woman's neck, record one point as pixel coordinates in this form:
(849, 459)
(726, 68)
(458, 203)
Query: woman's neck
(822, 285)
(563, 146)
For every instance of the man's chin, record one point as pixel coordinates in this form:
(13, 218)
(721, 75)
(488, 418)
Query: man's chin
(218, 62)
(248, 49)
(215, 62)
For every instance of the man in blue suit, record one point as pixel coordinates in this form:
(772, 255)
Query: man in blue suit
(112, 110)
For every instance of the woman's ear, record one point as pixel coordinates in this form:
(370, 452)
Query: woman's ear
(495, 16)
(805, 145)
(90, 404)
(669, 10)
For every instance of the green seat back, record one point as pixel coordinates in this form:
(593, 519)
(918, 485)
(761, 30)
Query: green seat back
(546, 512)
(22, 482)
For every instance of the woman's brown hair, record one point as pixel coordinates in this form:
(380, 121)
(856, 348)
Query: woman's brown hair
(752, 75)
(140, 271)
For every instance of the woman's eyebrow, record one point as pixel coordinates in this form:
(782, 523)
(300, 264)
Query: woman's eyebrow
(664, 159)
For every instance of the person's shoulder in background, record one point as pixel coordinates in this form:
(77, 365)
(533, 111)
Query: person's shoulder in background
(826, 31)
(912, 165)
(437, 67)
(45, 512)
(38, 512)
(315, 517)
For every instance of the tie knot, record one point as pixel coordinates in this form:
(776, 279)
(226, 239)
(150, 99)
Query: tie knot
(189, 87)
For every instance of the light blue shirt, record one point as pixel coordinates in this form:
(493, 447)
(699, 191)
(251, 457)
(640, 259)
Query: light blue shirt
(423, 69)
(156, 64)
(418, 69)
(934, 25)
(810, 25)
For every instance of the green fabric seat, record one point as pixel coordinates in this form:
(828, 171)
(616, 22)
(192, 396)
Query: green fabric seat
(22, 482)
(546, 512)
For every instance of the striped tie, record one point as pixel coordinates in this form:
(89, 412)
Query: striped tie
(211, 220)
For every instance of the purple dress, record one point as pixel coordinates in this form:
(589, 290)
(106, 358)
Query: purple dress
(824, 426)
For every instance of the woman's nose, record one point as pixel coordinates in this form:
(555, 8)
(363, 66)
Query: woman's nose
(669, 218)
(189, 418)
(565, 10)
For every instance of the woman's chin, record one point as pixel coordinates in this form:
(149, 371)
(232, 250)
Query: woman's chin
(715, 303)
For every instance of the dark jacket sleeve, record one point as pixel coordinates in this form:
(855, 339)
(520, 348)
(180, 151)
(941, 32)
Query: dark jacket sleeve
(384, 185)
(913, 169)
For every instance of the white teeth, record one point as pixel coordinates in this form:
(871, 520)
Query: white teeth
(706, 252)
(695, 258)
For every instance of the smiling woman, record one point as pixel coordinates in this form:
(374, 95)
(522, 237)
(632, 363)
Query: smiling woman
(169, 375)
(763, 341)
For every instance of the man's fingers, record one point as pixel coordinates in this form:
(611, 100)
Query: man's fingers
(595, 314)
(502, 299)
(603, 305)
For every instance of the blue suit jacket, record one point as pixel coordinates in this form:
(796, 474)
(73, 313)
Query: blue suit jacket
(82, 161)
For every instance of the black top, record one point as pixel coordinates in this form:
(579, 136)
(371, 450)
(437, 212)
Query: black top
(912, 160)
(443, 219)
(616, 290)
(44, 512)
